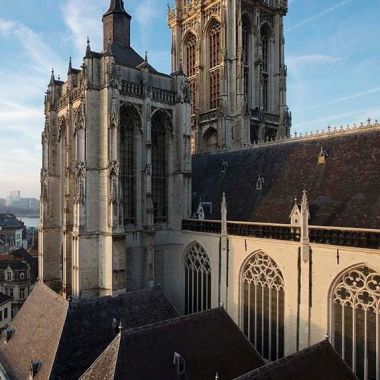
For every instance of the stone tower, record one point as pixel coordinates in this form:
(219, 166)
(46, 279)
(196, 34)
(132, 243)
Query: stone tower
(233, 55)
(116, 154)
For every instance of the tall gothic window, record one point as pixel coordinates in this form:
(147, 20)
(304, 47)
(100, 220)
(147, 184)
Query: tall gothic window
(197, 280)
(214, 62)
(246, 53)
(265, 35)
(191, 48)
(263, 305)
(160, 167)
(128, 123)
(355, 322)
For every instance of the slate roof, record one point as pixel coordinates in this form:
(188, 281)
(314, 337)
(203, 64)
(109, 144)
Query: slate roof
(317, 362)
(88, 329)
(345, 192)
(4, 298)
(209, 342)
(38, 326)
(22, 253)
(10, 221)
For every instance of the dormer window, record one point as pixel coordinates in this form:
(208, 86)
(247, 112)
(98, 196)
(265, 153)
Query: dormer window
(179, 364)
(35, 367)
(22, 275)
(259, 184)
(9, 276)
(322, 157)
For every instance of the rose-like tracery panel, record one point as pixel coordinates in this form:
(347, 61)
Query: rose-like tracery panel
(355, 320)
(197, 279)
(263, 305)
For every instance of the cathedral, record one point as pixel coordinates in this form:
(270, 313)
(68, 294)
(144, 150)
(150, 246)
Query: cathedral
(192, 182)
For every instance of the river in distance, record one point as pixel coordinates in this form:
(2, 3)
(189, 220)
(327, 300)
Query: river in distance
(30, 222)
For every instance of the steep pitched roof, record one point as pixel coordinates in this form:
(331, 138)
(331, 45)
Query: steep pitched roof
(38, 327)
(10, 221)
(4, 298)
(344, 192)
(105, 365)
(209, 342)
(88, 329)
(317, 362)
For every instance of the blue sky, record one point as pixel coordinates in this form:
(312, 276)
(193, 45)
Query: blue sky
(332, 52)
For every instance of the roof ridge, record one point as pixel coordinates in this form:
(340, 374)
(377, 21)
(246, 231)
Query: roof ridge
(303, 137)
(172, 320)
(118, 336)
(56, 295)
(297, 354)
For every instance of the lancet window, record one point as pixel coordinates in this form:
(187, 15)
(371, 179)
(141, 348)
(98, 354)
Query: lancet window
(246, 53)
(160, 167)
(197, 280)
(263, 305)
(214, 62)
(191, 48)
(129, 120)
(355, 321)
(265, 43)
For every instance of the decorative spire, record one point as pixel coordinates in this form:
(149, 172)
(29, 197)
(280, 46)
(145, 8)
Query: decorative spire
(304, 203)
(88, 49)
(146, 56)
(116, 6)
(217, 376)
(120, 327)
(70, 70)
(52, 78)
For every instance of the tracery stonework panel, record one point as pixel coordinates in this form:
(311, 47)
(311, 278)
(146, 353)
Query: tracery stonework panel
(263, 305)
(355, 321)
(197, 280)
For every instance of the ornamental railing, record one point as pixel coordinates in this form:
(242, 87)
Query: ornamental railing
(345, 237)
(207, 116)
(164, 96)
(131, 88)
(339, 236)
(267, 117)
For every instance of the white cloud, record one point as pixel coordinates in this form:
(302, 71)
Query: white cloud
(319, 15)
(82, 17)
(295, 62)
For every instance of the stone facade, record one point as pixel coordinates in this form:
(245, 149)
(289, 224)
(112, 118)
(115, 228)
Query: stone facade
(116, 154)
(233, 55)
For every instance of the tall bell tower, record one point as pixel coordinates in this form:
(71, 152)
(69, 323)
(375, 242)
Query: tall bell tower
(233, 55)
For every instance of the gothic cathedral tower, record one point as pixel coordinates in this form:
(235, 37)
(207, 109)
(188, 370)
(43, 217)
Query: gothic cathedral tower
(233, 55)
(116, 168)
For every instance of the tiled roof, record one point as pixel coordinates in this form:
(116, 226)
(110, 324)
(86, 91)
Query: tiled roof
(4, 298)
(344, 192)
(209, 342)
(38, 326)
(88, 329)
(317, 362)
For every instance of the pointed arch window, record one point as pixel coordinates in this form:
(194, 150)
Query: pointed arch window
(246, 30)
(197, 280)
(214, 62)
(191, 48)
(129, 119)
(265, 37)
(160, 167)
(263, 305)
(355, 321)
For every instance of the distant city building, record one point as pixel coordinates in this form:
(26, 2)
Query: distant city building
(5, 311)
(3, 203)
(15, 201)
(15, 279)
(11, 231)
